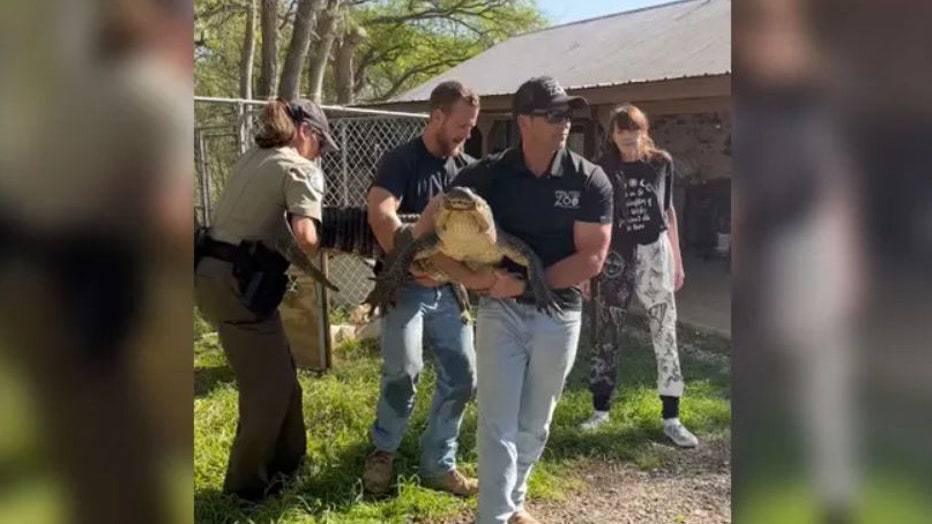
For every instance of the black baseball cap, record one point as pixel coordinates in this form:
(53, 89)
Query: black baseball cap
(304, 110)
(543, 93)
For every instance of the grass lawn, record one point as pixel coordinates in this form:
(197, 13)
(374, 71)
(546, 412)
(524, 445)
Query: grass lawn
(339, 406)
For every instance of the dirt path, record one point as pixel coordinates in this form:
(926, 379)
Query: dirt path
(691, 487)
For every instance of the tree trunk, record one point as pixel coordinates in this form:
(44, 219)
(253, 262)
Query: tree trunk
(326, 34)
(362, 65)
(297, 50)
(269, 75)
(249, 53)
(344, 67)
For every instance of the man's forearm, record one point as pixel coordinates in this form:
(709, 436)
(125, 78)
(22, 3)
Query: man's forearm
(384, 228)
(459, 272)
(456, 271)
(425, 223)
(574, 269)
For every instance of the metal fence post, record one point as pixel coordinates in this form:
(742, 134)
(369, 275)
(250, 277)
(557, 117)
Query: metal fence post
(223, 132)
(198, 181)
(241, 127)
(208, 186)
(344, 168)
(204, 180)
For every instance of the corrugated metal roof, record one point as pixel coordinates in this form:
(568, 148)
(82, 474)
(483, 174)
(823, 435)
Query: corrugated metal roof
(676, 40)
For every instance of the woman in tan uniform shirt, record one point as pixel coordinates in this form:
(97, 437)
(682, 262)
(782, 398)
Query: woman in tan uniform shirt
(239, 283)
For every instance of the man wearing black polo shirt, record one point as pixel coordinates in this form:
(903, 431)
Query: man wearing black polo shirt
(561, 205)
(408, 176)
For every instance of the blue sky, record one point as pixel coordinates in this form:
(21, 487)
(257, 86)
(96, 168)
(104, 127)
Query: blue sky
(563, 11)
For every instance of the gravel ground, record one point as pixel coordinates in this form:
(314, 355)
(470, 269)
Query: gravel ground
(690, 487)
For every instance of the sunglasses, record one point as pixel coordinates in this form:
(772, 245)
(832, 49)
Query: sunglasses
(322, 140)
(554, 116)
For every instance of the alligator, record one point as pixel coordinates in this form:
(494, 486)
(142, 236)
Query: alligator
(464, 230)
(344, 230)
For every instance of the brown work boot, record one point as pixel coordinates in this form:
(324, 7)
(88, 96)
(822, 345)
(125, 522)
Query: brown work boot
(523, 517)
(379, 473)
(454, 482)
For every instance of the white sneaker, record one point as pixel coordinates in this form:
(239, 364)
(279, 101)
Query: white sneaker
(596, 420)
(677, 432)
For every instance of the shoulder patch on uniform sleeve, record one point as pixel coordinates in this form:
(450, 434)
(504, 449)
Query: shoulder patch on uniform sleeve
(312, 173)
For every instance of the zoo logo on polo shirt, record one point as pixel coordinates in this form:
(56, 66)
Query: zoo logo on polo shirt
(566, 199)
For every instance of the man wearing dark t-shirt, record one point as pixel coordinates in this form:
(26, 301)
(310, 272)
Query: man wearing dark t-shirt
(408, 176)
(561, 205)
(413, 174)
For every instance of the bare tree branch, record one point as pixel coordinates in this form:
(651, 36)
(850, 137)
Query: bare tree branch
(304, 24)
(269, 74)
(344, 71)
(289, 16)
(462, 8)
(326, 33)
(428, 68)
(364, 61)
(249, 52)
(225, 8)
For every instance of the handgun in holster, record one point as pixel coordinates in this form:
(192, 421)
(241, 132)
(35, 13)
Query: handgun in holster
(262, 278)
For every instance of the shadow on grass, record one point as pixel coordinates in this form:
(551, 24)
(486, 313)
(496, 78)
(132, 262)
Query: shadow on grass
(210, 505)
(624, 444)
(311, 491)
(320, 491)
(207, 379)
(355, 349)
(329, 486)
(637, 365)
(636, 427)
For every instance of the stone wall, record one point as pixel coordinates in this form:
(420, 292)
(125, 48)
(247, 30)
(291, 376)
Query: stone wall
(699, 143)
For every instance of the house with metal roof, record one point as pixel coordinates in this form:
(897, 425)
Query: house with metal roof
(668, 43)
(672, 60)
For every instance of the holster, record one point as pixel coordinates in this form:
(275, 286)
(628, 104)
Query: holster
(259, 271)
(261, 277)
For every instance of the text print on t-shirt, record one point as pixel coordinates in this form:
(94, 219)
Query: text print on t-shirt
(637, 200)
(566, 199)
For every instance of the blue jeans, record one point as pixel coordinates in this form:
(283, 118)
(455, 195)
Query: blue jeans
(434, 313)
(523, 359)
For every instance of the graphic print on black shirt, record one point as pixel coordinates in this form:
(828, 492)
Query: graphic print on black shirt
(647, 187)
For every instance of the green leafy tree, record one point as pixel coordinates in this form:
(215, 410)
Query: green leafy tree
(345, 51)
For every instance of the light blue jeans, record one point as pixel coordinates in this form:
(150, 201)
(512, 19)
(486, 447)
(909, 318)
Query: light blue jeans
(432, 313)
(523, 359)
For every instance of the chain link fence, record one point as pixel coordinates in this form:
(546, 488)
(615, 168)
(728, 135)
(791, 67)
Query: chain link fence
(224, 129)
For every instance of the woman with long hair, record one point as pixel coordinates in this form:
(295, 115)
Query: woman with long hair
(239, 283)
(644, 261)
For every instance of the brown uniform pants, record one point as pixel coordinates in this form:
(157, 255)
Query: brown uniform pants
(270, 435)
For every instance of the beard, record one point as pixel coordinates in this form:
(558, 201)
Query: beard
(447, 145)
